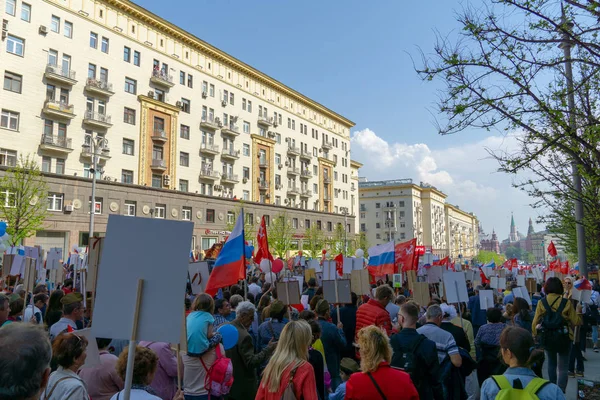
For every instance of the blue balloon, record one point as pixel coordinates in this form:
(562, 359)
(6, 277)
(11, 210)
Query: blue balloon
(249, 251)
(2, 228)
(230, 335)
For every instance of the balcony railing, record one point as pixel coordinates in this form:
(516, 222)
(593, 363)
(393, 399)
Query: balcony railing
(63, 74)
(293, 150)
(232, 130)
(327, 145)
(209, 148)
(326, 179)
(231, 153)
(56, 141)
(229, 177)
(162, 77)
(263, 163)
(263, 184)
(209, 173)
(306, 193)
(98, 85)
(209, 122)
(93, 117)
(305, 174)
(160, 135)
(103, 153)
(326, 197)
(159, 164)
(305, 154)
(265, 121)
(293, 190)
(293, 171)
(51, 106)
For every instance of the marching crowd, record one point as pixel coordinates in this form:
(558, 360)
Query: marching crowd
(384, 346)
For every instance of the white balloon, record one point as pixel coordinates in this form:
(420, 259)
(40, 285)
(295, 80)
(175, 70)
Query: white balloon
(265, 265)
(270, 277)
(359, 253)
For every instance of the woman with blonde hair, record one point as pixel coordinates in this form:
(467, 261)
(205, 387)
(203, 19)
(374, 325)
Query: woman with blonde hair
(376, 375)
(289, 369)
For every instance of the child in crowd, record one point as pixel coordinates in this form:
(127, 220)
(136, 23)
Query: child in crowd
(200, 335)
(347, 367)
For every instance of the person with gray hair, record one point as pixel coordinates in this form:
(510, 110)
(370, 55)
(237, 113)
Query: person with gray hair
(4, 310)
(444, 341)
(243, 358)
(478, 316)
(25, 355)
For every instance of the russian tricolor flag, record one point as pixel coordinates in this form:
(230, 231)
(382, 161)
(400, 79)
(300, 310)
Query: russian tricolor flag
(229, 267)
(582, 284)
(381, 259)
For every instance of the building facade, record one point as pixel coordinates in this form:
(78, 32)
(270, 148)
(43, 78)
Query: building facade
(400, 210)
(166, 110)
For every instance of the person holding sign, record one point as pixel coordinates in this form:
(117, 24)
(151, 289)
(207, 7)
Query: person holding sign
(333, 340)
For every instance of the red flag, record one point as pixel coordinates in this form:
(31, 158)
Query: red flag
(552, 249)
(484, 279)
(443, 262)
(405, 256)
(339, 264)
(564, 268)
(263, 243)
(554, 266)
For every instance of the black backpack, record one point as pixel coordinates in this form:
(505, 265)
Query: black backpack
(407, 361)
(554, 333)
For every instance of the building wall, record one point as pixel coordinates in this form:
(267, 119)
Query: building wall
(279, 116)
(462, 233)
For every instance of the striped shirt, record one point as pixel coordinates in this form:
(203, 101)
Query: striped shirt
(444, 341)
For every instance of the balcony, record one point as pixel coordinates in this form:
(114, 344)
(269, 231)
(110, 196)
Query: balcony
(161, 78)
(305, 155)
(293, 191)
(158, 165)
(305, 174)
(59, 74)
(326, 179)
(99, 87)
(230, 154)
(230, 130)
(206, 173)
(209, 123)
(305, 193)
(265, 121)
(103, 154)
(56, 143)
(293, 171)
(293, 151)
(159, 135)
(229, 178)
(58, 110)
(263, 184)
(209, 148)
(326, 145)
(263, 163)
(97, 119)
(326, 198)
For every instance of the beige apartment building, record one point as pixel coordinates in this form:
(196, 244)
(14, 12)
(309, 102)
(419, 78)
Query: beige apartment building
(401, 210)
(165, 110)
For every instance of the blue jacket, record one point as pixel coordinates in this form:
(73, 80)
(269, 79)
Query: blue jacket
(478, 316)
(550, 391)
(334, 342)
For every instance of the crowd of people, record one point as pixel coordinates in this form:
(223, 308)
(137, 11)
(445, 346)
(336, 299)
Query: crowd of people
(382, 346)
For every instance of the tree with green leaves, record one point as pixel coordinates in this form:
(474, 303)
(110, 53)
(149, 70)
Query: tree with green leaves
(337, 242)
(23, 201)
(280, 235)
(250, 227)
(313, 242)
(359, 241)
(486, 257)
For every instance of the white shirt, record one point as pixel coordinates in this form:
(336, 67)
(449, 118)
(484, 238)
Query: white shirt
(71, 387)
(254, 289)
(136, 394)
(28, 314)
(61, 326)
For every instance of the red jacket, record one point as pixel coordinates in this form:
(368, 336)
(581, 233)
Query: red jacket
(373, 313)
(395, 385)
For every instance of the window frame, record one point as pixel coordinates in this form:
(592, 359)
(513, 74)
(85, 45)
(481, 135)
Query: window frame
(68, 30)
(129, 205)
(130, 82)
(128, 142)
(128, 115)
(26, 6)
(129, 173)
(8, 117)
(104, 38)
(16, 41)
(57, 198)
(13, 78)
(13, 3)
(54, 20)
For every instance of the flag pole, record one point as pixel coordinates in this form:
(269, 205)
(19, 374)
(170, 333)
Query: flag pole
(244, 255)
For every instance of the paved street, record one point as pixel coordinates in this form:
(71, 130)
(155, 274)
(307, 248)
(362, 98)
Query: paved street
(592, 372)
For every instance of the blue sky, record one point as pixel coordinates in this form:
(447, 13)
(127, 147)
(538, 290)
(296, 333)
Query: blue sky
(355, 58)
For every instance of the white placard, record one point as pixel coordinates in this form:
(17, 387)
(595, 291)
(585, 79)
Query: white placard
(315, 264)
(469, 275)
(134, 249)
(487, 271)
(486, 299)
(92, 358)
(456, 287)
(304, 301)
(434, 274)
(198, 275)
(497, 283)
(329, 270)
(348, 265)
(522, 293)
(359, 263)
(583, 296)
(296, 278)
(521, 280)
(53, 258)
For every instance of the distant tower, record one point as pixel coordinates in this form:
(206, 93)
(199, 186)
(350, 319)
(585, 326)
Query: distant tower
(530, 230)
(513, 237)
(495, 244)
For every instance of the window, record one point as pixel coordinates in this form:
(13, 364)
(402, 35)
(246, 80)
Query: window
(184, 159)
(15, 45)
(230, 217)
(46, 164)
(402, 235)
(8, 158)
(9, 120)
(104, 46)
(246, 127)
(182, 77)
(329, 226)
(185, 105)
(129, 116)
(136, 58)
(130, 208)
(401, 214)
(26, 12)
(210, 215)
(130, 85)
(184, 185)
(68, 31)
(402, 224)
(55, 201)
(156, 181)
(12, 82)
(93, 40)
(211, 90)
(60, 166)
(246, 173)
(190, 81)
(126, 54)
(55, 24)
(97, 204)
(278, 138)
(377, 205)
(186, 213)
(11, 6)
(184, 131)
(126, 176)
(377, 225)
(295, 223)
(243, 104)
(401, 203)
(246, 195)
(128, 146)
(246, 149)
(277, 158)
(319, 225)
(231, 98)
(160, 210)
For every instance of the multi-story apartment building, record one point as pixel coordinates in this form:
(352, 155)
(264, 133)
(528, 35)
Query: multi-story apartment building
(400, 210)
(168, 110)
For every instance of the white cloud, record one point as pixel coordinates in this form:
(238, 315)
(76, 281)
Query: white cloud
(467, 173)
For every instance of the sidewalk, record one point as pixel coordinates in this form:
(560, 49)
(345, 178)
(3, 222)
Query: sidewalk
(592, 372)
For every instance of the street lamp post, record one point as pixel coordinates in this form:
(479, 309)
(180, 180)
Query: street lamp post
(96, 143)
(344, 211)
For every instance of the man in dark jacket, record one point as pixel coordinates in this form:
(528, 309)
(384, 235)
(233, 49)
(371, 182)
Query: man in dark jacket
(243, 358)
(426, 375)
(348, 319)
(478, 316)
(334, 342)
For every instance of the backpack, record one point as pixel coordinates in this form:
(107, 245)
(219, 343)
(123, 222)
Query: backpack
(516, 391)
(288, 393)
(407, 361)
(554, 333)
(219, 378)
